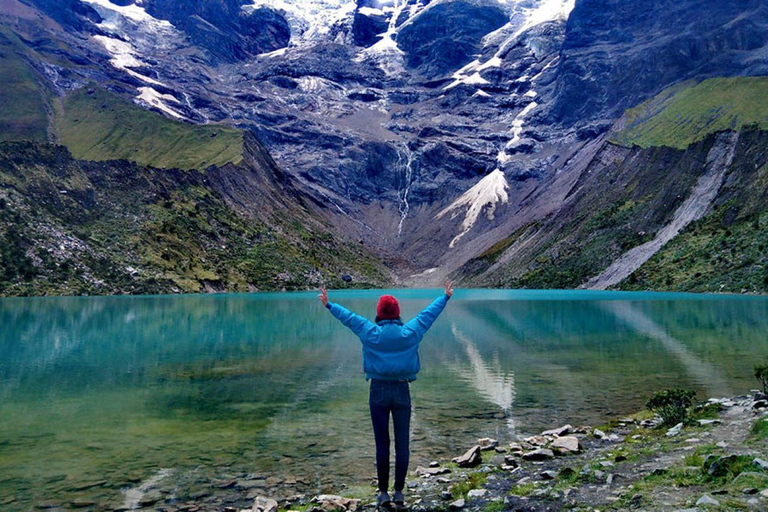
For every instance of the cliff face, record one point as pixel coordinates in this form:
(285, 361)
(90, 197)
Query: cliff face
(618, 53)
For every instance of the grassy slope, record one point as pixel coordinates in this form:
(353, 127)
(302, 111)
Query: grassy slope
(23, 101)
(72, 227)
(681, 115)
(98, 125)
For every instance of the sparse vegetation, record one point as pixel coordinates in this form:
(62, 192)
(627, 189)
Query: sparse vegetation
(671, 405)
(761, 374)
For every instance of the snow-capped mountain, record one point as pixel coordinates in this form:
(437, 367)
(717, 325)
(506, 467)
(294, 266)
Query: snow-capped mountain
(431, 129)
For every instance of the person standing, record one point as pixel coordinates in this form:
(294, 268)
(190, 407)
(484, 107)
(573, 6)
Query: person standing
(390, 362)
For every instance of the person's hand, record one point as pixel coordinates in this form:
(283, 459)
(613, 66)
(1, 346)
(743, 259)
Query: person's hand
(323, 297)
(449, 288)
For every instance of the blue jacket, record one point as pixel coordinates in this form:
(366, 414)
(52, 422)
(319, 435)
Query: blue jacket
(390, 347)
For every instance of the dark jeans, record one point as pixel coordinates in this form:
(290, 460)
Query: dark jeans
(391, 397)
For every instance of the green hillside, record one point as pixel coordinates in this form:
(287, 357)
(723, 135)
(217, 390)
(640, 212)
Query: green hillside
(727, 250)
(98, 125)
(23, 113)
(682, 115)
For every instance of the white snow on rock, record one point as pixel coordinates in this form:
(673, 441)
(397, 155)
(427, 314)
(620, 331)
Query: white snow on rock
(111, 14)
(124, 57)
(153, 98)
(309, 19)
(474, 79)
(485, 195)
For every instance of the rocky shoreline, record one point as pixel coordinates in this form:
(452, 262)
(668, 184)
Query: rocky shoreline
(717, 460)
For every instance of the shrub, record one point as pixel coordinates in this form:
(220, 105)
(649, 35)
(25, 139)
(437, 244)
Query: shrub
(761, 373)
(671, 405)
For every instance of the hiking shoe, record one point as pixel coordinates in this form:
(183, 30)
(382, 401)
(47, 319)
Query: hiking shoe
(399, 499)
(383, 499)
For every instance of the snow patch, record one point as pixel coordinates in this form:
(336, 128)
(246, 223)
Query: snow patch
(519, 122)
(485, 195)
(124, 57)
(473, 79)
(133, 12)
(153, 98)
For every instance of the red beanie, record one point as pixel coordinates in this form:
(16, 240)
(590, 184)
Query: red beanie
(387, 308)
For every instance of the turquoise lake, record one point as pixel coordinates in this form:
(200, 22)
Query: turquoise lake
(111, 390)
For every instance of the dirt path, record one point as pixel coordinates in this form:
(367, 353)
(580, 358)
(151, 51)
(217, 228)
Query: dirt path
(695, 207)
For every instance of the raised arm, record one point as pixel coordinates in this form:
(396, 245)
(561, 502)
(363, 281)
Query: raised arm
(359, 325)
(424, 320)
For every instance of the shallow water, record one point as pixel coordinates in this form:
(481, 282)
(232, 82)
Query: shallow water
(115, 389)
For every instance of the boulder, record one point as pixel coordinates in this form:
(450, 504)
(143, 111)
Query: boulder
(477, 493)
(331, 502)
(558, 432)
(470, 459)
(536, 440)
(567, 444)
(540, 454)
(720, 466)
(548, 475)
(675, 431)
(707, 500)
(486, 443)
(262, 504)
(456, 505)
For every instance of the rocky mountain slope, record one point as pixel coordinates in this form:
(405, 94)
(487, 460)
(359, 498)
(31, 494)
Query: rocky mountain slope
(443, 131)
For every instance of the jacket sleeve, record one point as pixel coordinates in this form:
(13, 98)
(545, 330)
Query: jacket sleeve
(424, 320)
(361, 326)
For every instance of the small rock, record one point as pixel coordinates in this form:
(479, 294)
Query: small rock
(540, 454)
(760, 404)
(707, 500)
(567, 443)
(486, 443)
(456, 505)
(659, 472)
(749, 490)
(422, 471)
(509, 467)
(434, 464)
(722, 444)
(47, 504)
(445, 495)
(606, 463)
(598, 433)
(515, 448)
(558, 432)
(548, 475)
(82, 503)
(470, 459)
(764, 493)
(331, 503)
(443, 480)
(760, 463)
(693, 440)
(675, 431)
(477, 493)
(709, 422)
(718, 492)
(609, 479)
(599, 474)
